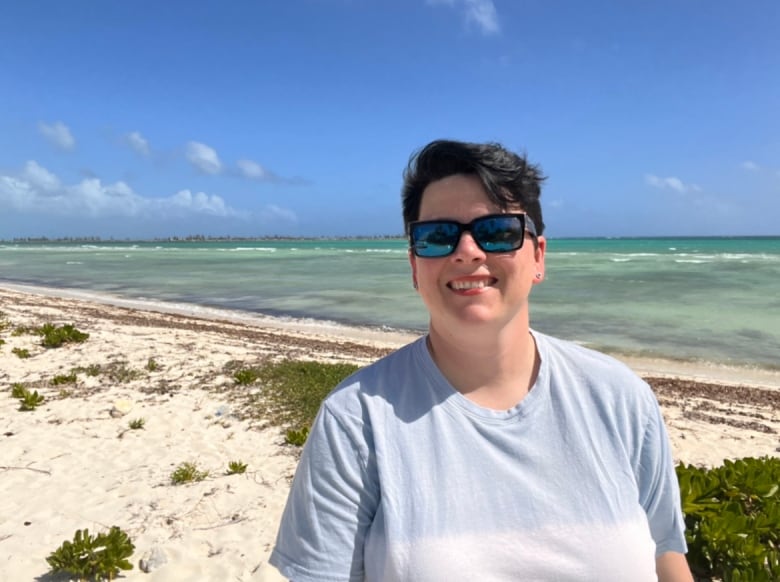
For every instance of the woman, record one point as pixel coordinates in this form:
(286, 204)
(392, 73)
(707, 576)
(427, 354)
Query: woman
(484, 450)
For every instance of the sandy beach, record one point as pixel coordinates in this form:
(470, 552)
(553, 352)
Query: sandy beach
(74, 463)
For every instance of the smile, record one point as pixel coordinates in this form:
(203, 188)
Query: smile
(470, 284)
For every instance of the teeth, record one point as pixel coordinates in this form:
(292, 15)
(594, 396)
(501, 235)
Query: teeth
(461, 285)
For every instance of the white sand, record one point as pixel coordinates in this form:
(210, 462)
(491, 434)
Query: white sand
(70, 464)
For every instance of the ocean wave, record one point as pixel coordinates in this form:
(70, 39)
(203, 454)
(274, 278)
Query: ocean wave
(726, 257)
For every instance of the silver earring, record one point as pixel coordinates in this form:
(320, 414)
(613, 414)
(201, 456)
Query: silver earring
(538, 275)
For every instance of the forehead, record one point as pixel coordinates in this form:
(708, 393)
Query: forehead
(459, 197)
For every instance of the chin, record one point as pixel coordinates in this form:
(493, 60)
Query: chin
(475, 316)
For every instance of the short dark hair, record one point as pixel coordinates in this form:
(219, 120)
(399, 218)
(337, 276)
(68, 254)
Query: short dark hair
(509, 179)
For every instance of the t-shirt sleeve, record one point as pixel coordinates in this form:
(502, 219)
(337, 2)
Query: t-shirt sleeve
(659, 489)
(331, 505)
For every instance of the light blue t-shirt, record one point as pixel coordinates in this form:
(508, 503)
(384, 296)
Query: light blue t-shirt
(404, 479)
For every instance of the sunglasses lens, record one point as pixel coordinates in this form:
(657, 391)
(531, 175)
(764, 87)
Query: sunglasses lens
(499, 234)
(435, 239)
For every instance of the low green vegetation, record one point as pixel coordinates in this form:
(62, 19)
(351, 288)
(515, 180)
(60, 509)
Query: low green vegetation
(293, 391)
(187, 473)
(91, 370)
(732, 519)
(152, 365)
(297, 437)
(18, 389)
(137, 423)
(30, 400)
(27, 400)
(89, 557)
(236, 468)
(121, 373)
(54, 336)
(246, 376)
(22, 353)
(60, 379)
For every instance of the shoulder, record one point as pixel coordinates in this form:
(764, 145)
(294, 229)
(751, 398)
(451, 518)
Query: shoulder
(576, 369)
(581, 358)
(590, 387)
(583, 362)
(381, 383)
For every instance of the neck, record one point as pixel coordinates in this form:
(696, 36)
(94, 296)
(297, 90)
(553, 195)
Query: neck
(495, 370)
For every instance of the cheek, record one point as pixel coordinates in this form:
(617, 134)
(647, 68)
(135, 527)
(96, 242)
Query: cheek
(425, 273)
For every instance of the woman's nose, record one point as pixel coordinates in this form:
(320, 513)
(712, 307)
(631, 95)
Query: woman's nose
(468, 249)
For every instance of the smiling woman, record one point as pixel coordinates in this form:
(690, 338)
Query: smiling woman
(484, 450)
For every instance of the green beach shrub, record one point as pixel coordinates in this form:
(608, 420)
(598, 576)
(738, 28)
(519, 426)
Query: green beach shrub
(236, 468)
(64, 379)
(2, 341)
(54, 336)
(22, 353)
(137, 423)
(30, 400)
(152, 365)
(90, 557)
(732, 519)
(297, 437)
(187, 473)
(17, 390)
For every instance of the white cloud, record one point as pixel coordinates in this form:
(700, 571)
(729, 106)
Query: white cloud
(138, 142)
(750, 166)
(481, 13)
(274, 213)
(203, 157)
(57, 134)
(36, 190)
(671, 183)
(39, 177)
(252, 170)
(200, 202)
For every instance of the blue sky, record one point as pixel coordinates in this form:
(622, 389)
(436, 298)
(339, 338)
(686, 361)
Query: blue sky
(151, 119)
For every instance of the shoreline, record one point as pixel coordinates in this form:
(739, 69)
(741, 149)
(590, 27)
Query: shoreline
(74, 463)
(391, 338)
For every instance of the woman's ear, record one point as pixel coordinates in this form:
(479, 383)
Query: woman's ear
(413, 263)
(539, 252)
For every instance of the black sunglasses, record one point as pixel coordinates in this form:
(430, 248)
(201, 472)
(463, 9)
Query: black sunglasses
(493, 233)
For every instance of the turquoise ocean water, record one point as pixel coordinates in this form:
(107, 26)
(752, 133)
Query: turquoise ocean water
(700, 299)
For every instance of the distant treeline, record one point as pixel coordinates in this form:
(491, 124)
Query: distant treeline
(191, 238)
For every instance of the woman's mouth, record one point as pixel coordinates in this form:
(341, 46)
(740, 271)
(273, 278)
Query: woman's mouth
(469, 284)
